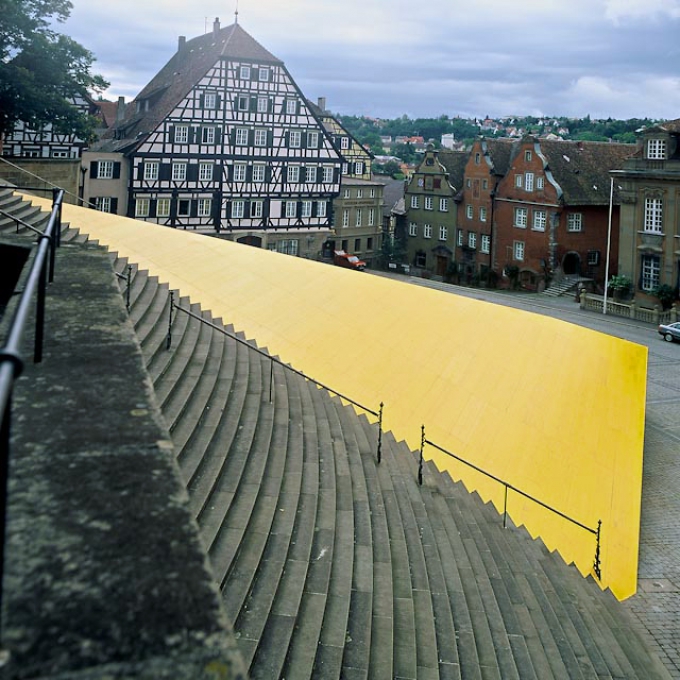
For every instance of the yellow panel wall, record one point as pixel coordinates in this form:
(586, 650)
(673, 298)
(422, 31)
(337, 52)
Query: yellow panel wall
(555, 409)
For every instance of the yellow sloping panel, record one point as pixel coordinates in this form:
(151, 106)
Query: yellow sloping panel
(555, 409)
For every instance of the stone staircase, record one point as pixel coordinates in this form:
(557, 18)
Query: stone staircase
(334, 566)
(564, 285)
(331, 565)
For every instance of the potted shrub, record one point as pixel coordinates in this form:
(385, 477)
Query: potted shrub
(666, 294)
(621, 286)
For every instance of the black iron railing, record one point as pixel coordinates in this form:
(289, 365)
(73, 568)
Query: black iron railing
(11, 361)
(510, 487)
(273, 360)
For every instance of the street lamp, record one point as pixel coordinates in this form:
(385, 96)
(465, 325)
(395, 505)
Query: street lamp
(609, 239)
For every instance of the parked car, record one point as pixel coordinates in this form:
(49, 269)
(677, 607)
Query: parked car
(343, 259)
(670, 331)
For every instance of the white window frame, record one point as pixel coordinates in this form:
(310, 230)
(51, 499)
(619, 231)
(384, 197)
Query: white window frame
(429, 203)
(256, 209)
(142, 207)
(653, 216)
(540, 183)
(241, 137)
(518, 251)
(262, 104)
(519, 181)
(574, 222)
(104, 169)
(346, 193)
(238, 209)
(427, 231)
(345, 218)
(103, 203)
(179, 172)
(443, 205)
(209, 100)
(204, 207)
(321, 208)
(244, 72)
(485, 243)
(181, 134)
(260, 137)
(291, 106)
(371, 217)
(205, 172)
(151, 170)
(656, 149)
(469, 211)
(328, 173)
(482, 213)
(650, 269)
(263, 75)
(360, 193)
(312, 140)
(240, 172)
(306, 210)
(163, 207)
(443, 232)
(295, 139)
(539, 220)
(528, 181)
(259, 172)
(520, 218)
(413, 229)
(291, 208)
(183, 201)
(344, 143)
(415, 202)
(209, 135)
(357, 217)
(243, 102)
(293, 174)
(289, 246)
(358, 168)
(459, 237)
(472, 240)
(310, 174)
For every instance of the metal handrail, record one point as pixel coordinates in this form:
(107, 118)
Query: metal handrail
(596, 532)
(11, 362)
(274, 360)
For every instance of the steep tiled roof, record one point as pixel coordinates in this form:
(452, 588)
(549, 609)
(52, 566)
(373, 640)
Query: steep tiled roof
(176, 79)
(499, 151)
(392, 193)
(582, 168)
(454, 162)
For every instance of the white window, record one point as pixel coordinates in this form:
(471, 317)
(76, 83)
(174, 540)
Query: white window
(204, 207)
(656, 149)
(574, 222)
(413, 229)
(103, 203)
(472, 239)
(518, 250)
(263, 75)
(56, 153)
(360, 193)
(262, 104)
(478, 158)
(482, 214)
(259, 172)
(209, 135)
(346, 193)
(151, 171)
(345, 218)
(485, 244)
(293, 174)
(427, 231)
(344, 143)
(539, 220)
(321, 209)
(357, 222)
(291, 209)
(519, 180)
(243, 103)
(528, 181)
(181, 134)
(328, 174)
(521, 217)
(540, 182)
(485, 184)
(372, 193)
(288, 246)
(105, 170)
(429, 202)
(179, 172)
(527, 156)
(256, 208)
(306, 209)
(310, 174)
(443, 204)
(654, 215)
(358, 168)
(183, 207)
(312, 140)
(163, 207)
(459, 237)
(244, 73)
(142, 207)
(238, 209)
(260, 138)
(469, 211)
(443, 233)
(295, 139)
(415, 202)
(241, 137)
(240, 170)
(291, 106)
(205, 172)
(209, 100)
(371, 217)
(650, 272)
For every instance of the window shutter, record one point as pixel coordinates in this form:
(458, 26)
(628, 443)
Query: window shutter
(194, 209)
(286, 138)
(251, 137)
(152, 207)
(94, 167)
(116, 171)
(171, 132)
(114, 206)
(201, 101)
(164, 172)
(193, 134)
(218, 101)
(249, 173)
(218, 135)
(253, 104)
(192, 172)
(303, 140)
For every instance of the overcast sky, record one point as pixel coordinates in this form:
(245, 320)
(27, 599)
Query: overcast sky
(386, 58)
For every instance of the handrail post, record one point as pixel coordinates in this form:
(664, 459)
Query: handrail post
(380, 419)
(4, 474)
(271, 378)
(420, 463)
(596, 566)
(169, 338)
(127, 291)
(505, 508)
(40, 315)
(57, 200)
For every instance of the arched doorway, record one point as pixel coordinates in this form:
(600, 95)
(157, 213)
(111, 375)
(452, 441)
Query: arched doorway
(250, 240)
(571, 264)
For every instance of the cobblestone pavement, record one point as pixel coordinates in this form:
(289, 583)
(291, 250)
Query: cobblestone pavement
(656, 606)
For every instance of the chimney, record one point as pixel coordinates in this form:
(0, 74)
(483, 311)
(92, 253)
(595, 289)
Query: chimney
(321, 103)
(120, 109)
(181, 43)
(216, 27)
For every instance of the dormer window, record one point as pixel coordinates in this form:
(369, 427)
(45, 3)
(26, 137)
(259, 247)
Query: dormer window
(656, 149)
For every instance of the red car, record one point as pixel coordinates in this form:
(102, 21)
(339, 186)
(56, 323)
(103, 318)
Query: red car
(343, 259)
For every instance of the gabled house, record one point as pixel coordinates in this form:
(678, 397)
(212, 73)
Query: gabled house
(485, 166)
(431, 211)
(649, 245)
(222, 141)
(552, 209)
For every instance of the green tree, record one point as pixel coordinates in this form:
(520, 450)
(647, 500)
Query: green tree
(42, 71)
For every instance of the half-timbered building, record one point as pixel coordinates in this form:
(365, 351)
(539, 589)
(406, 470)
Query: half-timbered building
(222, 141)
